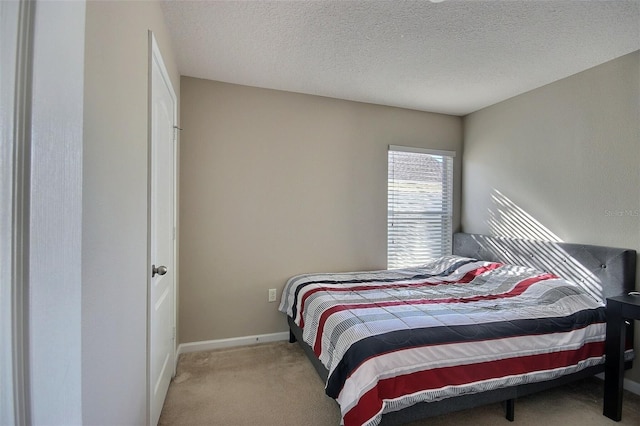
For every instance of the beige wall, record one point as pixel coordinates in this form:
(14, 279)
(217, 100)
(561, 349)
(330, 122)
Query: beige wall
(275, 184)
(562, 161)
(114, 231)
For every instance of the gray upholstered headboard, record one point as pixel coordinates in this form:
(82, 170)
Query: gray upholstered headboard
(602, 271)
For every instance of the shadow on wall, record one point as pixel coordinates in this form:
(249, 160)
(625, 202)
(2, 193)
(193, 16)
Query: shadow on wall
(507, 219)
(528, 242)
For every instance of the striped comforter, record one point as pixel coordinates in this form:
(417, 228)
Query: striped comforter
(390, 339)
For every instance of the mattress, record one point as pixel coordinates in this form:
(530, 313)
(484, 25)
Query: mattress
(390, 339)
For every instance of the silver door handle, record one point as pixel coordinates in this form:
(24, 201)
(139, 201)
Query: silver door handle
(160, 270)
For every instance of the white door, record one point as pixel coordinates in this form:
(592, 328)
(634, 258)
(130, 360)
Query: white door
(162, 245)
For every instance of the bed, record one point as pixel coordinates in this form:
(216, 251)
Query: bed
(499, 319)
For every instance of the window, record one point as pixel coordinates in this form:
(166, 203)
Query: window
(420, 205)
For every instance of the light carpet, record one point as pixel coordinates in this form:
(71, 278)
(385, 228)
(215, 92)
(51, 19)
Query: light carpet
(274, 384)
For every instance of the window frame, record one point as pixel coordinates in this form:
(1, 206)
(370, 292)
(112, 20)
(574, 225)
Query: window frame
(447, 212)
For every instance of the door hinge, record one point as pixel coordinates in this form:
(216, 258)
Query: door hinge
(174, 333)
(176, 129)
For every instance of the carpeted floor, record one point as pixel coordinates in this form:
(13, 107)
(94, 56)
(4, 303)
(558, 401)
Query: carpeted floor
(274, 384)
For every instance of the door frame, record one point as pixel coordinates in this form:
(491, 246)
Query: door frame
(15, 120)
(39, 140)
(156, 56)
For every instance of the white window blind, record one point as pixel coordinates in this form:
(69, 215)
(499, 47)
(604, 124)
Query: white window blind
(420, 205)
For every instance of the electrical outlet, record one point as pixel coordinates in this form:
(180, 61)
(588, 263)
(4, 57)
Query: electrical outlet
(272, 295)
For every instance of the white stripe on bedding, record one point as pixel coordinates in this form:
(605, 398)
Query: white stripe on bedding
(447, 355)
(361, 330)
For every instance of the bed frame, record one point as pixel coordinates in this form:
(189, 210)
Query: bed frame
(602, 271)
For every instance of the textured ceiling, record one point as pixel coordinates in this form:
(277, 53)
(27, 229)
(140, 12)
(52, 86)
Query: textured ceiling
(453, 57)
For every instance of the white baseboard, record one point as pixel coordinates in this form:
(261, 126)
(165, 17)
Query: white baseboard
(631, 386)
(208, 345)
(627, 384)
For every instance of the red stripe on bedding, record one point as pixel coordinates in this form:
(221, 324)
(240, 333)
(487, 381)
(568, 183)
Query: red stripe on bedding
(370, 404)
(517, 290)
(467, 278)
